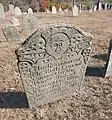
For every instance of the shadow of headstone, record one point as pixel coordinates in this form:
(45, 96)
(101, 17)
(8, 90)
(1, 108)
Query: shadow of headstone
(13, 100)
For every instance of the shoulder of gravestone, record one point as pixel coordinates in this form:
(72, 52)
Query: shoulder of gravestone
(42, 27)
(52, 25)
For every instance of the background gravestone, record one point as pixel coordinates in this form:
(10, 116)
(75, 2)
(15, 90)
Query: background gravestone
(54, 11)
(18, 11)
(30, 11)
(29, 22)
(75, 10)
(109, 65)
(11, 9)
(52, 63)
(2, 12)
(11, 33)
(15, 21)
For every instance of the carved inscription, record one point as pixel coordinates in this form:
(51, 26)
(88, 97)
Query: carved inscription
(52, 63)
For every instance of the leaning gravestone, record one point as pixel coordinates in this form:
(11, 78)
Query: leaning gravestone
(109, 66)
(11, 33)
(11, 9)
(15, 21)
(52, 63)
(2, 12)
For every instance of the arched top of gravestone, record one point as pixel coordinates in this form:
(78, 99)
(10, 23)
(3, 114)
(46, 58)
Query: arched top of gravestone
(11, 9)
(30, 11)
(55, 41)
(18, 11)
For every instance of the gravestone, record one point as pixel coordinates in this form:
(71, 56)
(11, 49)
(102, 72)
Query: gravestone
(11, 9)
(100, 6)
(61, 11)
(52, 63)
(11, 33)
(30, 11)
(2, 12)
(105, 6)
(109, 64)
(75, 10)
(47, 11)
(66, 10)
(29, 22)
(18, 11)
(80, 8)
(15, 21)
(90, 10)
(54, 11)
(95, 8)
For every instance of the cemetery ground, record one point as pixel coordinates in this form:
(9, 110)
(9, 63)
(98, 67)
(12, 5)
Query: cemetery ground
(94, 103)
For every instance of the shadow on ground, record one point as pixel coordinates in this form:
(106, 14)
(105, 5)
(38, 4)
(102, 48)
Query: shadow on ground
(95, 71)
(13, 100)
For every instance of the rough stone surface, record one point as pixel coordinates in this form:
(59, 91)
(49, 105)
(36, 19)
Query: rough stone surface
(2, 12)
(11, 33)
(109, 66)
(52, 63)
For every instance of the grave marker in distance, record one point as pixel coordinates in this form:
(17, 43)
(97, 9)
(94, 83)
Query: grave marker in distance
(2, 12)
(11, 33)
(109, 66)
(52, 63)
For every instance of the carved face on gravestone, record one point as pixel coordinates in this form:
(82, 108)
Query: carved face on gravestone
(57, 45)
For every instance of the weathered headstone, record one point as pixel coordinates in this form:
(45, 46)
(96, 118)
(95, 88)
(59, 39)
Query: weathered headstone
(30, 11)
(2, 12)
(54, 11)
(18, 11)
(11, 9)
(52, 63)
(15, 21)
(109, 64)
(11, 33)
(75, 10)
(29, 22)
